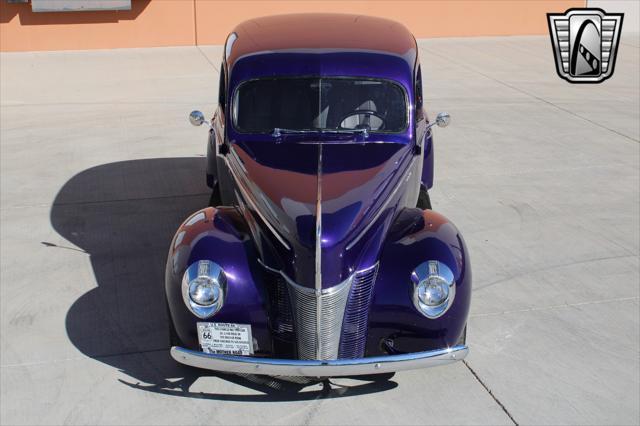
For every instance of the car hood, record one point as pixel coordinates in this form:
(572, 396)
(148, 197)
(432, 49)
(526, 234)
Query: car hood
(337, 191)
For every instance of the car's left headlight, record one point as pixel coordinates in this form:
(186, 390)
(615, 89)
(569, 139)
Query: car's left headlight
(434, 288)
(204, 286)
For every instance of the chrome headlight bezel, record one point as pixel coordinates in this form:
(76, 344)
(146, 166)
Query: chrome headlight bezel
(207, 273)
(434, 273)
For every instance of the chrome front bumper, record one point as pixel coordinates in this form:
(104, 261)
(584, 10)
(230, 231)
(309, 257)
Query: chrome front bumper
(315, 368)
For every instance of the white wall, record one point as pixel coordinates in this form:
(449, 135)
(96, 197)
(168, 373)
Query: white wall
(630, 8)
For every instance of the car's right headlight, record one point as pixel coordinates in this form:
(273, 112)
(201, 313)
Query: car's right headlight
(204, 286)
(434, 288)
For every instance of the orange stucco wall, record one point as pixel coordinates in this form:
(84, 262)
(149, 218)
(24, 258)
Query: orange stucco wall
(148, 23)
(188, 22)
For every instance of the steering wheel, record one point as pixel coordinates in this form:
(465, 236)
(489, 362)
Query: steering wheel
(367, 119)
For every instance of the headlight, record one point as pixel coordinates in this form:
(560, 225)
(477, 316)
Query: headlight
(204, 286)
(204, 291)
(433, 288)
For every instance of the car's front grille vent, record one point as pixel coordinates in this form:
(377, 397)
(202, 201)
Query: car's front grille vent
(305, 305)
(304, 313)
(281, 318)
(331, 317)
(344, 316)
(356, 318)
(284, 320)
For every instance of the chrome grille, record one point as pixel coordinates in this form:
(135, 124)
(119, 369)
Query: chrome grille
(281, 316)
(304, 314)
(318, 342)
(356, 317)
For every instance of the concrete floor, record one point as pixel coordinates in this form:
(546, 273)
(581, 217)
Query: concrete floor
(99, 166)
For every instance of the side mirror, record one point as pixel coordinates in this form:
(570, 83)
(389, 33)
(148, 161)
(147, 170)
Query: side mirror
(197, 118)
(443, 119)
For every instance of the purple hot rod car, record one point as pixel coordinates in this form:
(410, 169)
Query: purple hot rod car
(320, 255)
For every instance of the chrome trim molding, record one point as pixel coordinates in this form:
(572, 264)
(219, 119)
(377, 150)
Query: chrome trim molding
(228, 45)
(403, 179)
(319, 368)
(248, 199)
(318, 277)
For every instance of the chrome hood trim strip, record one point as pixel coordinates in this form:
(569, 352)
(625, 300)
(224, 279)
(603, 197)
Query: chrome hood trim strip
(401, 181)
(241, 179)
(318, 278)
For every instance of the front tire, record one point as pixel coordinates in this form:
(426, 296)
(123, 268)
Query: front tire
(463, 338)
(174, 339)
(424, 202)
(216, 198)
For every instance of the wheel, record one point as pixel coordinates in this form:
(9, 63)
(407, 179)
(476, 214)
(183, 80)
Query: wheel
(224, 188)
(211, 180)
(174, 339)
(216, 199)
(212, 161)
(463, 338)
(424, 202)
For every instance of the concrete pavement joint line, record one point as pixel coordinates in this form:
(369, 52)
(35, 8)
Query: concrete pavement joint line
(34, 363)
(565, 305)
(315, 408)
(552, 267)
(25, 206)
(464, 361)
(81, 358)
(208, 60)
(532, 96)
(108, 103)
(630, 45)
(121, 200)
(532, 171)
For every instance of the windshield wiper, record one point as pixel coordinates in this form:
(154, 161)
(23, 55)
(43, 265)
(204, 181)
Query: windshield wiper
(364, 131)
(279, 131)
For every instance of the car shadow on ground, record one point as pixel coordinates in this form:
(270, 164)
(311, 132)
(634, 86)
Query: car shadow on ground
(123, 216)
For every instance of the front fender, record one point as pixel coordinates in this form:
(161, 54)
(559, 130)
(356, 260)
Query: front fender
(395, 325)
(217, 235)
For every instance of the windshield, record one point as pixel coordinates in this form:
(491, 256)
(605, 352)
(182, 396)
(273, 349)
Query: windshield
(315, 104)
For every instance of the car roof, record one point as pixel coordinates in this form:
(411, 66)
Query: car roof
(325, 32)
